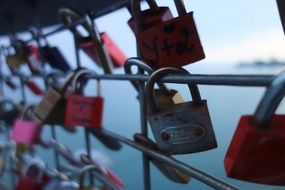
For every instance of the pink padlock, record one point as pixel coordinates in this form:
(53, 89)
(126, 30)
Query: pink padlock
(26, 132)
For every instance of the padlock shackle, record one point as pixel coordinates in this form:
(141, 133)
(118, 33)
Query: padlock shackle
(142, 66)
(69, 16)
(180, 7)
(83, 172)
(270, 101)
(82, 76)
(36, 162)
(9, 102)
(159, 74)
(137, 12)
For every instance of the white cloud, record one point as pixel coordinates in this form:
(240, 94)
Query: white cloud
(262, 45)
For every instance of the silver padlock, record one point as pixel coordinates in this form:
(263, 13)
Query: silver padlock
(181, 128)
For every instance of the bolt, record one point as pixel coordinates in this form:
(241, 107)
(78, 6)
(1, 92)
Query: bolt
(165, 136)
(198, 130)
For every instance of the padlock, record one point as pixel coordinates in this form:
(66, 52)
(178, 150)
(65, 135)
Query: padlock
(55, 58)
(32, 176)
(256, 151)
(15, 60)
(25, 131)
(96, 168)
(9, 111)
(82, 110)
(148, 18)
(52, 108)
(33, 58)
(173, 43)
(109, 174)
(34, 87)
(170, 172)
(116, 54)
(164, 96)
(98, 46)
(181, 128)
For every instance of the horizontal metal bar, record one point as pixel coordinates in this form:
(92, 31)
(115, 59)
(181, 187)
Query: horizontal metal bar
(201, 79)
(59, 29)
(225, 80)
(193, 172)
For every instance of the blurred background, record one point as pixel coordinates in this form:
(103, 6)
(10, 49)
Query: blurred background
(239, 37)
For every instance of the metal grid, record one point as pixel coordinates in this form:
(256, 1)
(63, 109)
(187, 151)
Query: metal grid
(224, 80)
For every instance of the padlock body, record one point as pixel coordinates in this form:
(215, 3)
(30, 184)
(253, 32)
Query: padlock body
(16, 60)
(55, 58)
(28, 184)
(151, 18)
(174, 43)
(84, 111)
(257, 155)
(26, 132)
(183, 128)
(51, 109)
(118, 57)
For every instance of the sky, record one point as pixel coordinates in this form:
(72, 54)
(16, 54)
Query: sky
(230, 31)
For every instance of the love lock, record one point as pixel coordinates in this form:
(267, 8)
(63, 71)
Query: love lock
(95, 168)
(174, 42)
(164, 96)
(52, 108)
(181, 128)
(98, 46)
(83, 110)
(25, 131)
(52, 54)
(33, 174)
(256, 151)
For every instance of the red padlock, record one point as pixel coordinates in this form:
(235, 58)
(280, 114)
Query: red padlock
(82, 110)
(173, 43)
(116, 54)
(256, 151)
(150, 17)
(98, 49)
(33, 176)
(34, 168)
